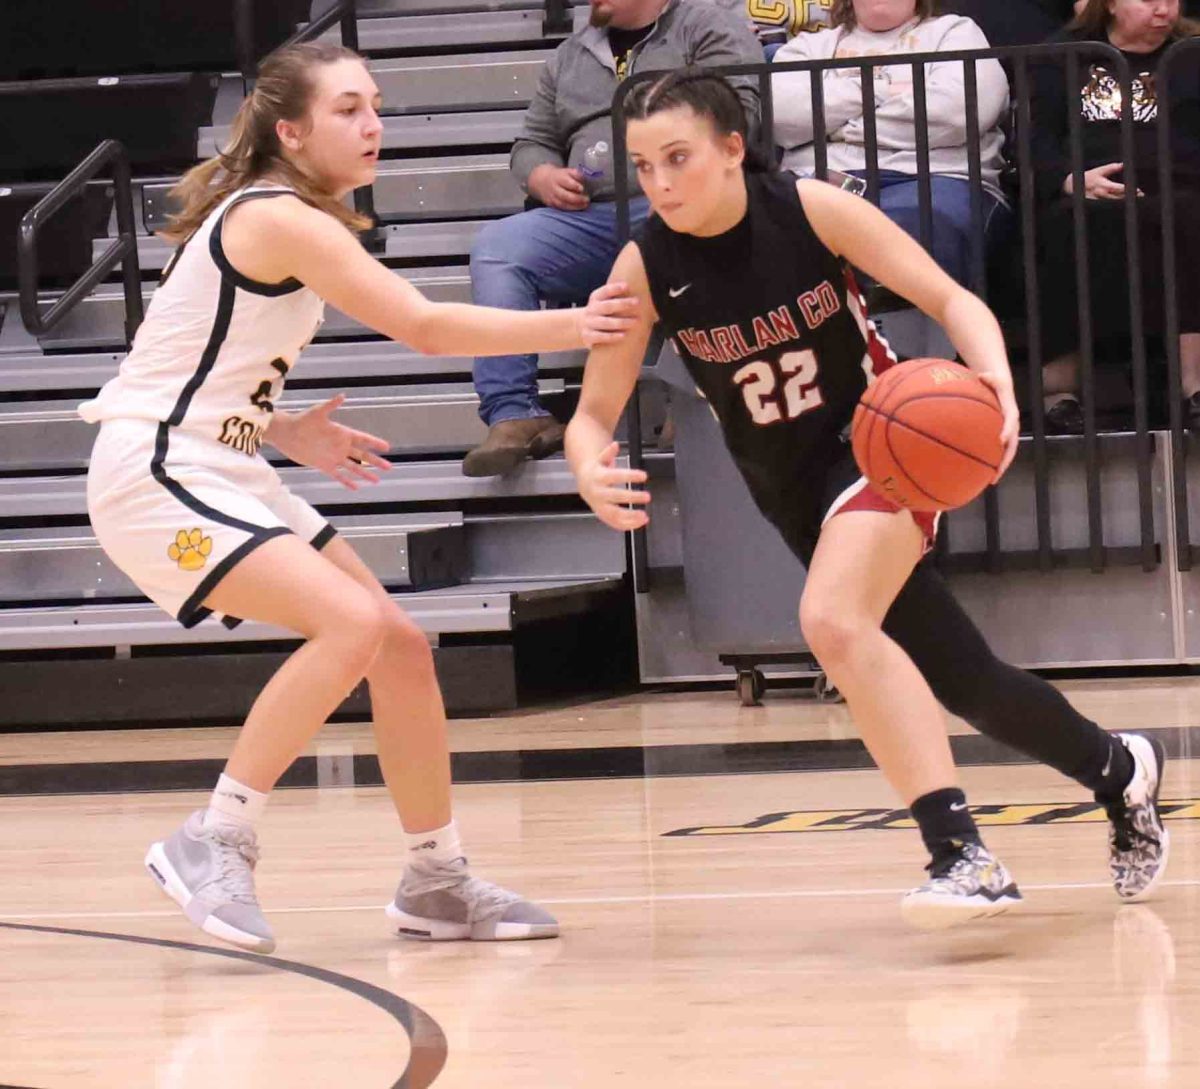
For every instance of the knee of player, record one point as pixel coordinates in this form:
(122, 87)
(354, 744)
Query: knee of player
(403, 641)
(360, 627)
(832, 633)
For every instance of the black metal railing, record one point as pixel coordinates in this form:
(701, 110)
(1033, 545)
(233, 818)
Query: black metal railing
(243, 39)
(1166, 177)
(1046, 556)
(122, 251)
(557, 17)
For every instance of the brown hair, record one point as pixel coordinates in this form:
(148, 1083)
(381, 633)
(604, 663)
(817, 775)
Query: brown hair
(842, 14)
(1095, 18)
(283, 92)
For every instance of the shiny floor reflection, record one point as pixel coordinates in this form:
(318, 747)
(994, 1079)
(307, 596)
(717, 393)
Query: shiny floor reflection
(773, 958)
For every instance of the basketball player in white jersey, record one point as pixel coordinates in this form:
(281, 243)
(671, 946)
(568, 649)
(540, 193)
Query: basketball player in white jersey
(183, 502)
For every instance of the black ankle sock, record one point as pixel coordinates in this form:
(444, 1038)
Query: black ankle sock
(1114, 776)
(944, 820)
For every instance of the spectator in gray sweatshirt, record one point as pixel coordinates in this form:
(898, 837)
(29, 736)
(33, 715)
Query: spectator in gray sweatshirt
(868, 28)
(563, 248)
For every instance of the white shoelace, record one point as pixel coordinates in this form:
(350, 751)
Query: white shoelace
(237, 855)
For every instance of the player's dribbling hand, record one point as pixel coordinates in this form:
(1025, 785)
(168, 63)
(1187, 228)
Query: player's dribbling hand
(312, 438)
(605, 489)
(1001, 385)
(608, 316)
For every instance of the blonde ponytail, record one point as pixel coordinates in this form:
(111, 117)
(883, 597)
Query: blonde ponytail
(283, 92)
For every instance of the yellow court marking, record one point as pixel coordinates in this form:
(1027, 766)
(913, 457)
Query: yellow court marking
(853, 820)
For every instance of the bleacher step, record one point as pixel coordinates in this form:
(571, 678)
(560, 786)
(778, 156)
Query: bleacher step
(407, 482)
(409, 552)
(427, 419)
(468, 608)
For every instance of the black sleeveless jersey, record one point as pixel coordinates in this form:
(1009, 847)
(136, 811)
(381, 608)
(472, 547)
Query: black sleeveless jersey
(775, 333)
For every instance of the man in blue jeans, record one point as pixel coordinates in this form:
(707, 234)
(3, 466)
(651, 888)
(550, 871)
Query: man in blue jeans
(563, 248)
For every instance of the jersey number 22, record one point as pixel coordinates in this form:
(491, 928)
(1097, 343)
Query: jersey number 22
(761, 382)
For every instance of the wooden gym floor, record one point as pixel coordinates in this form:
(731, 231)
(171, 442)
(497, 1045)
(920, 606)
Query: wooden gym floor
(696, 951)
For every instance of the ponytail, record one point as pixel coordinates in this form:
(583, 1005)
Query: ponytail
(283, 92)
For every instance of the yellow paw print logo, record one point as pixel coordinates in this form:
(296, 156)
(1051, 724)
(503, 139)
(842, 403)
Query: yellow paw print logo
(190, 550)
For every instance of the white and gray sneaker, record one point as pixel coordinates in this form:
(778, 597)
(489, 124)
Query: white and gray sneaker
(209, 872)
(968, 883)
(441, 901)
(1138, 844)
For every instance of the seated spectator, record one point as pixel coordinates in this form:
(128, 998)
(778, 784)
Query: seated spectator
(563, 249)
(775, 21)
(1015, 22)
(1143, 31)
(867, 28)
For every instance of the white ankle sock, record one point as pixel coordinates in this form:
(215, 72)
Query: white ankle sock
(234, 803)
(439, 845)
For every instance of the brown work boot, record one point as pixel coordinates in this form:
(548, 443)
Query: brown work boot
(511, 442)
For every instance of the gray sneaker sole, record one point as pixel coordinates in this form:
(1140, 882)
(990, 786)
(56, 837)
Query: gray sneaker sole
(439, 930)
(167, 878)
(935, 911)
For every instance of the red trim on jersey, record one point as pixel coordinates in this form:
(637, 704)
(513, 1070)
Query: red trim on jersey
(878, 350)
(862, 496)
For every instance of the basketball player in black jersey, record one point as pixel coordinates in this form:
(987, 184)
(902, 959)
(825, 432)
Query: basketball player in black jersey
(750, 273)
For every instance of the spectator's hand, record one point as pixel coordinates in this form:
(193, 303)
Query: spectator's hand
(558, 187)
(608, 316)
(605, 489)
(1098, 183)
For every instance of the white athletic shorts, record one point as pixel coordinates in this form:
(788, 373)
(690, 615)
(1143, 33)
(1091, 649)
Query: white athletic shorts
(175, 511)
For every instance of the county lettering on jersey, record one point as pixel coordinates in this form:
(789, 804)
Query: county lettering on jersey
(215, 348)
(774, 331)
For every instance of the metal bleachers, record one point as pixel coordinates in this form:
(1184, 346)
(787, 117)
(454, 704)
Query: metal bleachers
(391, 33)
(470, 559)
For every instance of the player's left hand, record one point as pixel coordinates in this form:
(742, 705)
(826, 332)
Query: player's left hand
(312, 438)
(1002, 386)
(608, 316)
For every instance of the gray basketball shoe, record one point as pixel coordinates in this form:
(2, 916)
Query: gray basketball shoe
(970, 883)
(442, 902)
(1138, 844)
(209, 872)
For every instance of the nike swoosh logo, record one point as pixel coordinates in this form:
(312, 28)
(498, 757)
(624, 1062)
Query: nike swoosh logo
(676, 292)
(957, 807)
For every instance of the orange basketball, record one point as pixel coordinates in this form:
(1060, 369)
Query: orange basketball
(927, 434)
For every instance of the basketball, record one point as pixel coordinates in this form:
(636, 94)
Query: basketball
(927, 434)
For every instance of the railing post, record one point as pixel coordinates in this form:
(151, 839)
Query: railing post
(557, 18)
(123, 250)
(1166, 176)
(633, 413)
(1033, 317)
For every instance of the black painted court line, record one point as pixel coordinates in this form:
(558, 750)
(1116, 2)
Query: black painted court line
(428, 1047)
(527, 765)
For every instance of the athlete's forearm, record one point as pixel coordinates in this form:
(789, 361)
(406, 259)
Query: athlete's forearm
(464, 329)
(279, 429)
(585, 440)
(974, 331)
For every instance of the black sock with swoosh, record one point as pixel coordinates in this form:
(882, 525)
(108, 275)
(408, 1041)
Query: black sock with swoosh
(944, 820)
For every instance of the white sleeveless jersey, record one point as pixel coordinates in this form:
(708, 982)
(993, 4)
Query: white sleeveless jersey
(215, 347)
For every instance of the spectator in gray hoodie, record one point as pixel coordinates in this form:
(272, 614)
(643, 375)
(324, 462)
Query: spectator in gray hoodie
(867, 28)
(563, 247)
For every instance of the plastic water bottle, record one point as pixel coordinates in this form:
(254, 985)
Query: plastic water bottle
(595, 164)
